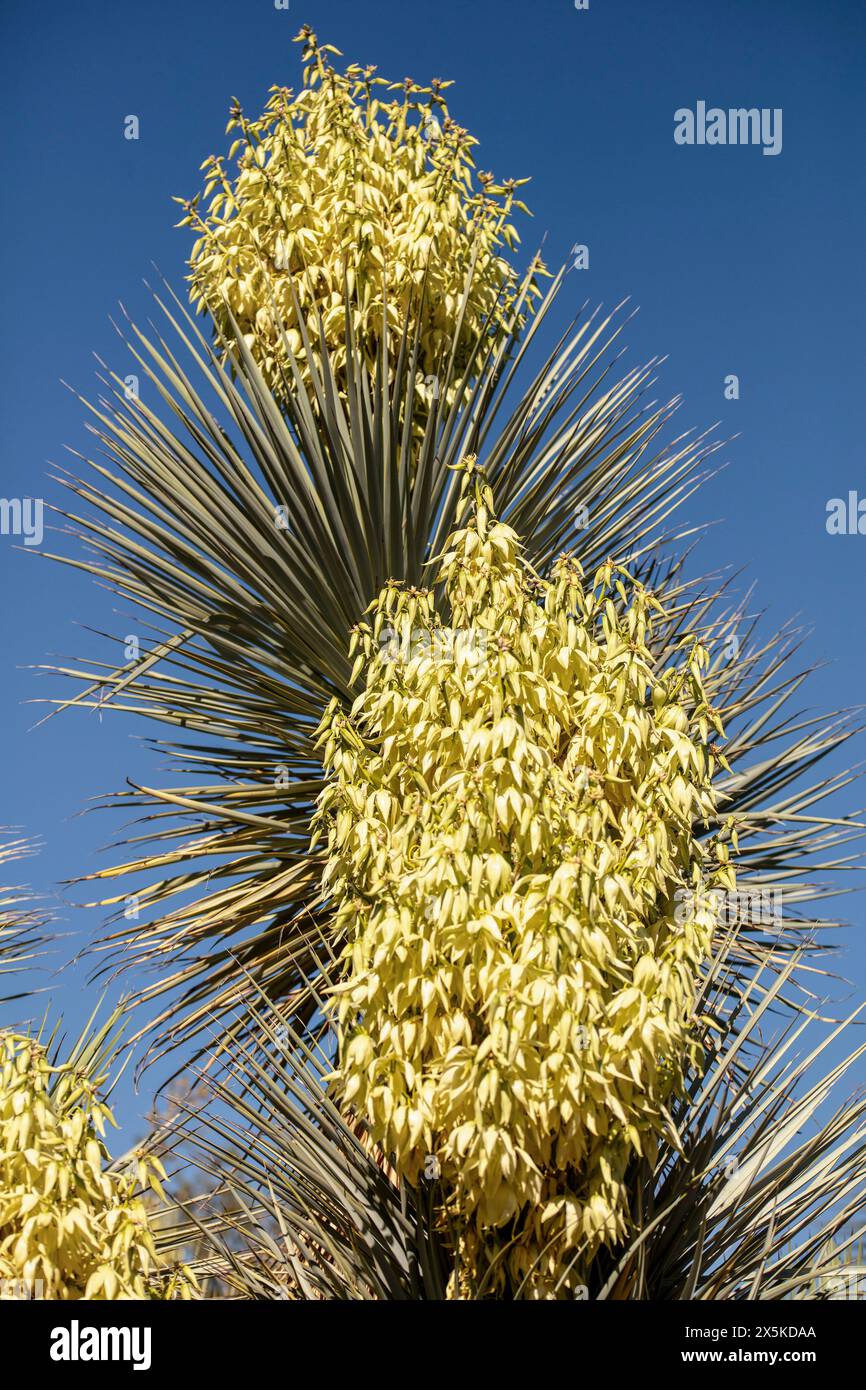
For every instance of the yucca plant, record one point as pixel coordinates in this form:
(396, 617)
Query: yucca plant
(508, 824)
(253, 524)
(23, 926)
(751, 1193)
(72, 1223)
(348, 200)
(248, 621)
(71, 1226)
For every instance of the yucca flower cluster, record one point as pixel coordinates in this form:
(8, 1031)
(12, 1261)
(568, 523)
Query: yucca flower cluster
(69, 1228)
(507, 828)
(347, 202)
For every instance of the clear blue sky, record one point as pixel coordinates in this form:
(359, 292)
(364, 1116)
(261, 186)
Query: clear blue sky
(741, 263)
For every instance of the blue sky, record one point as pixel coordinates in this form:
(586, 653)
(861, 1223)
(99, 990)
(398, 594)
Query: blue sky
(741, 263)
